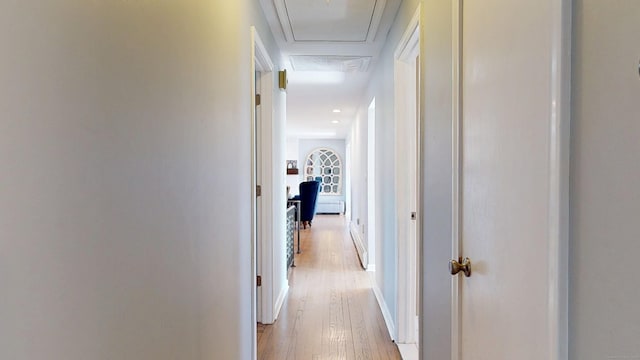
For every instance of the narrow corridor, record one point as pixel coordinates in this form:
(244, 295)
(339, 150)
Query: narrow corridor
(331, 311)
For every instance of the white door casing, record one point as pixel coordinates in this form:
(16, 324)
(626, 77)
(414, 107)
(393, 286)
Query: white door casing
(268, 214)
(254, 203)
(371, 188)
(510, 193)
(406, 99)
(259, 234)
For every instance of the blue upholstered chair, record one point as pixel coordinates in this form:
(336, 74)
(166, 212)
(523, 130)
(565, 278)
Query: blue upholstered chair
(308, 200)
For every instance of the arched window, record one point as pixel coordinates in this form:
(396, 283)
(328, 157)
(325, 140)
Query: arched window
(325, 166)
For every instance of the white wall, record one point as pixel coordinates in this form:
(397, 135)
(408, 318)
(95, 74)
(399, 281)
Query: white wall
(436, 70)
(358, 143)
(605, 197)
(293, 154)
(381, 88)
(125, 195)
(278, 192)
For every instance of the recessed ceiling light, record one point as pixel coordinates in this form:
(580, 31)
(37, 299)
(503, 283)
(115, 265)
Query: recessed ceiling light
(337, 110)
(335, 121)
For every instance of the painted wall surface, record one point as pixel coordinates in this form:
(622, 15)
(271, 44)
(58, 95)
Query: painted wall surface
(279, 191)
(435, 61)
(125, 194)
(605, 198)
(306, 146)
(381, 88)
(293, 154)
(358, 144)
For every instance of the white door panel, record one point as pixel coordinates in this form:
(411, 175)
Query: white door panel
(506, 171)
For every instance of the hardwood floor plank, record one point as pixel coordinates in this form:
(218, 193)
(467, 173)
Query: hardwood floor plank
(330, 311)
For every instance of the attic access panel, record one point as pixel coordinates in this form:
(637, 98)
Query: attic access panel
(331, 20)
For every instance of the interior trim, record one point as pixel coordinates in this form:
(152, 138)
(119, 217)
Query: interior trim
(284, 20)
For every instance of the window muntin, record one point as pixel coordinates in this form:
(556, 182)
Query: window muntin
(325, 166)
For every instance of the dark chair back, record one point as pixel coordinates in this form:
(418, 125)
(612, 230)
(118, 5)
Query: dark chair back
(308, 199)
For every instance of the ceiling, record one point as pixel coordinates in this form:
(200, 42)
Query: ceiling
(329, 48)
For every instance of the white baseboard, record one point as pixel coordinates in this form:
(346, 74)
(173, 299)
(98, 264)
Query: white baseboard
(408, 351)
(280, 301)
(371, 267)
(386, 314)
(359, 243)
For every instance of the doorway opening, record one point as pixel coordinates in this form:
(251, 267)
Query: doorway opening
(407, 93)
(268, 212)
(371, 187)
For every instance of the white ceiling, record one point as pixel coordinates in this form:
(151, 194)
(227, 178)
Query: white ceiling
(329, 48)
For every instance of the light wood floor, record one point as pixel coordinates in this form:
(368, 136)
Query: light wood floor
(331, 311)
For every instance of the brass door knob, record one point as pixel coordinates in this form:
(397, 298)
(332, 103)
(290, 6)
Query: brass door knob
(464, 266)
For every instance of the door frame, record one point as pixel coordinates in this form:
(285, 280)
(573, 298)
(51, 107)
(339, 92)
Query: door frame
(372, 214)
(263, 216)
(559, 147)
(406, 59)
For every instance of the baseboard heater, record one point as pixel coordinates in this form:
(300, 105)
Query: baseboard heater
(359, 245)
(330, 207)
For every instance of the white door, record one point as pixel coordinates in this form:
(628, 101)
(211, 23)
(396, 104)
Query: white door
(511, 179)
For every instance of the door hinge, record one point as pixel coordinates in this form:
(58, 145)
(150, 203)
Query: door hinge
(259, 280)
(258, 190)
(257, 99)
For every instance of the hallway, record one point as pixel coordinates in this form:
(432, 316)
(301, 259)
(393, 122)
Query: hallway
(331, 311)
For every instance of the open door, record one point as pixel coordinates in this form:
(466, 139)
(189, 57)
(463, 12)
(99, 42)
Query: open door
(268, 218)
